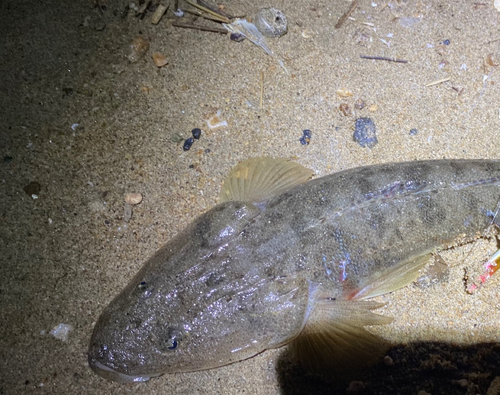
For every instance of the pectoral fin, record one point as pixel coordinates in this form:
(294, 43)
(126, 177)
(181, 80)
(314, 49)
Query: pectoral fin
(393, 279)
(334, 338)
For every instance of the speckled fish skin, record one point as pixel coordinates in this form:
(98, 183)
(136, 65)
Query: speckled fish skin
(237, 281)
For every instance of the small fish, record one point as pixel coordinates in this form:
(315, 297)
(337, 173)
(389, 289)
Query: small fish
(283, 260)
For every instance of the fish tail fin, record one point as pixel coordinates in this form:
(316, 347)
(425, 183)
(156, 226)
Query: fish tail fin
(334, 339)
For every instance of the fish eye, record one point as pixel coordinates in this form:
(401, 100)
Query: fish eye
(145, 289)
(171, 340)
(172, 344)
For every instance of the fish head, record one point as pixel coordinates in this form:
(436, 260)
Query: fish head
(132, 343)
(194, 305)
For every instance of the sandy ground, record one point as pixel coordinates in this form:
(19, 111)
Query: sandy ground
(65, 254)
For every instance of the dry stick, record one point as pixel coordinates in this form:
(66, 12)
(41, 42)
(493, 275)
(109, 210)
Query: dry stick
(217, 16)
(261, 88)
(214, 9)
(142, 10)
(160, 11)
(203, 15)
(203, 28)
(383, 58)
(438, 81)
(346, 15)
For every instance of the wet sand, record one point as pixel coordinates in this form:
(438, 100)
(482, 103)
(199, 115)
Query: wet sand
(88, 125)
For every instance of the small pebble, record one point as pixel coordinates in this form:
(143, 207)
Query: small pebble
(133, 198)
(446, 42)
(139, 48)
(388, 361)
(306, 138)
(360, 104)
(307, 34)
(61, 331)
(237, 37)
(159, 59)
(344, 109)
(176, 138)
(215, 121)
(33, 188)
(413, 132)
(365, 132)
(196, 133)
(271, 22)
(343, 92)
(355, 386)
(187, 144)
(127, 212)
(492, 60)
(462, 382)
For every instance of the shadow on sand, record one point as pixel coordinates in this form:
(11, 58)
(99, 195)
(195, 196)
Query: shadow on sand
(436, 368)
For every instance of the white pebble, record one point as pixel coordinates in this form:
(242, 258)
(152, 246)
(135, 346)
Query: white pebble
(61, 331)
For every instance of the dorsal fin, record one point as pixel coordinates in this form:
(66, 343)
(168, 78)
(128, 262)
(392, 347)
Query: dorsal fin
(257, 179)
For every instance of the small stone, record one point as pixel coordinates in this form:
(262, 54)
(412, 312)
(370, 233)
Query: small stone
(133, 198)
(355, 386)
(187, 144)
(365, 132)
(33, 188)
(446, 42)
(492, 60)
(343, 92)
(462, 382)
(307, 34)
(159, 59)
(62, 331)
(306, 137)
(176, 138)
(139, 48)
(344, 109)
(215, 121)
(413, 132)
(388, 361)
(494, 387)
(127, 212)
(373, 108)
(237, 37)
(196, 133)
(360, 104)
(271, 22)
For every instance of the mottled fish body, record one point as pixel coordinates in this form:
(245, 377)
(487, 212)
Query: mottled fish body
(282, 260)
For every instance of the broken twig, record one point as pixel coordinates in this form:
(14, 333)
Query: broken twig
(198, 27)
(438, 81)
(261, 88)
(160, 11)
(396, 60)
(346, 15)
(141, 11)
(214, 9)
(215, 15)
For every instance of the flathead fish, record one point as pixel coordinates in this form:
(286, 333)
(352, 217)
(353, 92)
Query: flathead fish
(283, 260)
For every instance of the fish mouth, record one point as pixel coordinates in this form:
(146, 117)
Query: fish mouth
(113, 375)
